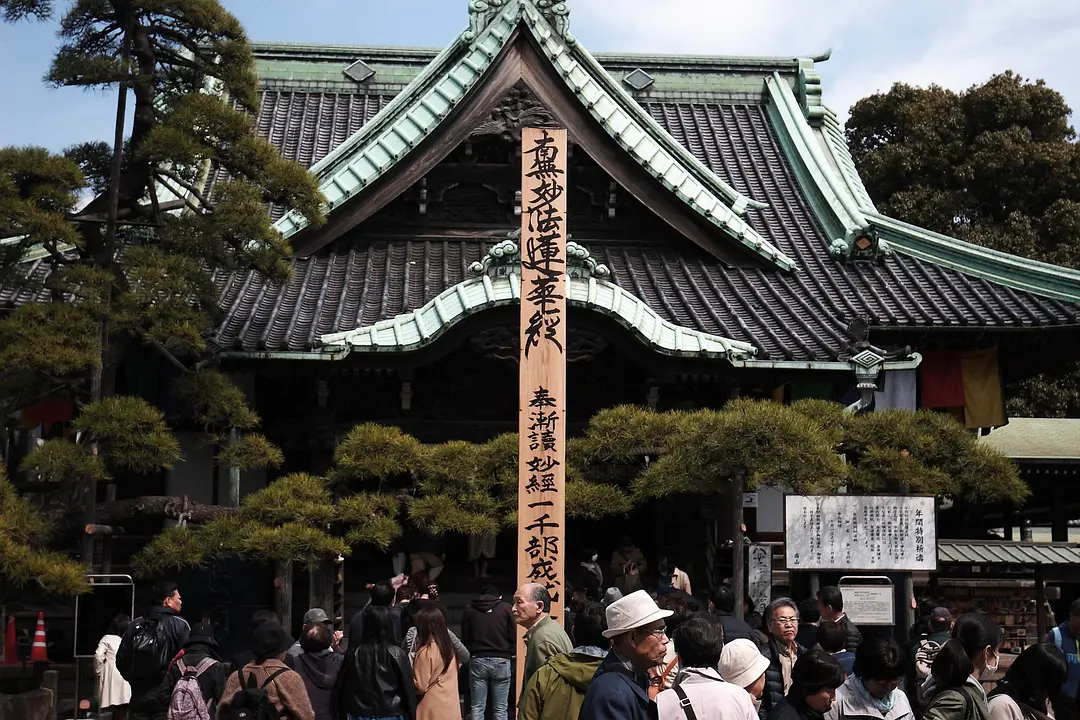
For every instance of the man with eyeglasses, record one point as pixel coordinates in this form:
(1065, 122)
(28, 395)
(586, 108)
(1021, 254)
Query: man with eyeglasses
(781, 650)
(619, 690)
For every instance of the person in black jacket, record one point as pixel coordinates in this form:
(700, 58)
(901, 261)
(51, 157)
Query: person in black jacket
(782, 650)
(146, 694)
(489, 633)
(377, 679)
(722, 605)
(814, 681)
(201, 646)
(320, 667)
(831, 607)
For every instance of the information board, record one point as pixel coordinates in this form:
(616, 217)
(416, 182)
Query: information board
(869, 604)
(860, 532)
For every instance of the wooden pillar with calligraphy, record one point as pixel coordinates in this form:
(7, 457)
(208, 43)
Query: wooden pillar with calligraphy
(542, 392)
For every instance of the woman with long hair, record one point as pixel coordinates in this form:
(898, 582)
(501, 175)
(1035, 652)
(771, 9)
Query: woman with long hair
(377, 680)
(969, 657)
(1029, 686)
(814, 680)
(113, 691)
(435, 670)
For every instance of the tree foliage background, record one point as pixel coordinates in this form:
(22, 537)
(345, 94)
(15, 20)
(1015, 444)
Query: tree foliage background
(133, 270)
(997, 165)
(383, 478)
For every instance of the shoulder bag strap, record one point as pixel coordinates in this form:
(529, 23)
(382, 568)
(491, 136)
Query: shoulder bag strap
(684, 702)
(273, 675)
(1057, 636)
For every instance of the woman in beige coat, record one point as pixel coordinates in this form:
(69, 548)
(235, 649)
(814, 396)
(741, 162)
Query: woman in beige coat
(435, 669)
(113, 691)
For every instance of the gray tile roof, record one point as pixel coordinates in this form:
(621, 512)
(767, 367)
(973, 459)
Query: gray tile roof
(801, 316)
(1037, 439)
(976, 552)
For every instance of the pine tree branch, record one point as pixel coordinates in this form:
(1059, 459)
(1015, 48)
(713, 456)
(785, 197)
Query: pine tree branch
(158, 506)
(205, 204)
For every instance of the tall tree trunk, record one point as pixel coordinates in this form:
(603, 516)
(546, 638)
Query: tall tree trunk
(283, 586)
(101, 384)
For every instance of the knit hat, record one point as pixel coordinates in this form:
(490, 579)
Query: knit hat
(269, 639)
(612, 594)
(741, 663)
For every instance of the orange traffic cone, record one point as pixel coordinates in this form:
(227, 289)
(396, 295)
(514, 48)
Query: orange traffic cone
(38, 652)
(11, 645)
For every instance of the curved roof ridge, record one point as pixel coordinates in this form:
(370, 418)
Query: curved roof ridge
(417, 329)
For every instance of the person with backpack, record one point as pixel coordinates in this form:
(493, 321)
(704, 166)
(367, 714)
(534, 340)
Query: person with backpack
(266, 689)
(965, 661)
(1029, 686)
(148, 646)
(196, 677)
(925, 649)
(1067, 638)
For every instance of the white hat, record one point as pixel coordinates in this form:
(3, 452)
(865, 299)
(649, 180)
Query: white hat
(635, 610)
(741, 663)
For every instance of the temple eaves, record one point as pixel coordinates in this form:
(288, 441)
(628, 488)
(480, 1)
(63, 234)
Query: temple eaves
(446, 82)
(496, 282)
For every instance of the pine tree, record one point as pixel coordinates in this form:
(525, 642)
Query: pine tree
(133, 271)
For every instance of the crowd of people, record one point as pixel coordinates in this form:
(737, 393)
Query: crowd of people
(638, 655)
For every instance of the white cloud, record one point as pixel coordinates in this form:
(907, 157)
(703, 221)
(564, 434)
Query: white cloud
(877, 42)
(722, 27)
(1034, 38)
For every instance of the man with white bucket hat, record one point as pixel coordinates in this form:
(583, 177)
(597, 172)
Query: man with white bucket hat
(638, 642)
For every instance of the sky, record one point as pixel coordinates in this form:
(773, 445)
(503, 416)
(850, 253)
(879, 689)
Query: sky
(953, 43)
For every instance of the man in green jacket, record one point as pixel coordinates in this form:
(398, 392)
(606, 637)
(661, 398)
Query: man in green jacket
(557, 690)
(544, 639)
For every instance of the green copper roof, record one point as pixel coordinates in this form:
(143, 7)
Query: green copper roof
(413, 114)
(813, 140)
(414, 330)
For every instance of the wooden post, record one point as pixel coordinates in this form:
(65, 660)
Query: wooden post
(738, 549)
(283, 583)
(542, 390)
(1040, 607)
(234, 475)
(107, 542)
(321, 586)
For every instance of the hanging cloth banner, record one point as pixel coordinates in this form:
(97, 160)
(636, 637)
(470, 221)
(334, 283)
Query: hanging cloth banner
(542, 391)
(942, 379)
(984, 406)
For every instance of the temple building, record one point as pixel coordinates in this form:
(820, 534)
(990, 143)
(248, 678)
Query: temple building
(723, 244)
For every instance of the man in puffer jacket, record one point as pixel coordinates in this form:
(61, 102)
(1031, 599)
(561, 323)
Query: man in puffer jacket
(557, 689)
(319, 666)
(781, 650)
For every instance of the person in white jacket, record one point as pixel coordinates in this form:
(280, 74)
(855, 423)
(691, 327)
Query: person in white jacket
(113, 691)
(699, 692)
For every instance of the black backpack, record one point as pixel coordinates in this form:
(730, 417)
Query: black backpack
(144, 653)
(252, 702)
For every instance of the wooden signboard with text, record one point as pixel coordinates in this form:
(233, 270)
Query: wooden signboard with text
(542, 392)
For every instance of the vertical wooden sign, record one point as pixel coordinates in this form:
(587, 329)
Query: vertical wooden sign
(542, 392)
